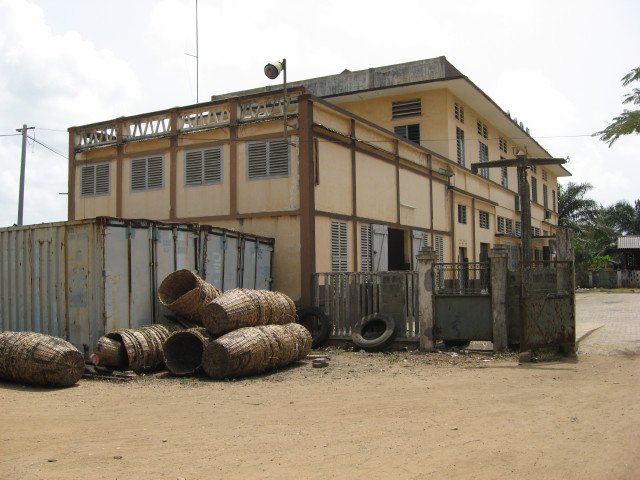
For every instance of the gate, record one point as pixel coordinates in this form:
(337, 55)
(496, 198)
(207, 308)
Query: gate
(547, 305)
(347, 297)
(462, 302)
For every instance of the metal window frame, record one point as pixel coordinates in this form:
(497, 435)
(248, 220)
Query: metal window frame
(483, 219)
(406, 108)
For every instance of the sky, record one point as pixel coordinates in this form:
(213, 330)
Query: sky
(555, 65)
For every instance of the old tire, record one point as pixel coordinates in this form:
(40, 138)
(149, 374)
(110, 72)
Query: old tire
(317, 322)
(374, 332)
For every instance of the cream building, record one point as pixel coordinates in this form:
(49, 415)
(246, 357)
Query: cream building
(375, 164)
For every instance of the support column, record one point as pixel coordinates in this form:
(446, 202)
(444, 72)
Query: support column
(426, 319)
(498, 258)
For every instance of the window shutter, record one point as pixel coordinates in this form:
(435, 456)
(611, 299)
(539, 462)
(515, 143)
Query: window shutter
(257, 159)
(212, 165)
(365, 248)
(193, 167)
(339, 261)
(406, 108)
(102, 179)
(87, 182)
(439, 241)
(278, 158)
(138, 174)
(155, 178)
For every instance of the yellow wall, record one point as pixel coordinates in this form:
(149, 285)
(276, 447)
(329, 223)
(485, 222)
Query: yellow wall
(375, 188)
(333, 192)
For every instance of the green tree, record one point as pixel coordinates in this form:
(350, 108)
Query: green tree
(628, 121)
(574, 210)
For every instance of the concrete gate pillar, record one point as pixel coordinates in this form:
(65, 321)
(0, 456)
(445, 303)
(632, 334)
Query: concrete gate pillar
(426, 259)
(498, 258)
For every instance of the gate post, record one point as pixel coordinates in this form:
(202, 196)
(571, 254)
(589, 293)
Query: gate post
(498, 257)
(426, 259)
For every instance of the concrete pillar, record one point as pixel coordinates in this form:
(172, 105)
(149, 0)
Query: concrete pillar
(498, 258)
(426, 259)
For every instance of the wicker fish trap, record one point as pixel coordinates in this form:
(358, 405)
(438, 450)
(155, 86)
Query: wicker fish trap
(186, 294)
(144, 345)
(183, 350)
(253, 350)
(39, 359)
(233, 309)
(110, 353)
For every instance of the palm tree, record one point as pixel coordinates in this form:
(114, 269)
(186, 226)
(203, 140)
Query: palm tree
(575, 211)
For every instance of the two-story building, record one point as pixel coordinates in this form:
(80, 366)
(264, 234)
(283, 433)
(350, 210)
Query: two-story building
(375, 164)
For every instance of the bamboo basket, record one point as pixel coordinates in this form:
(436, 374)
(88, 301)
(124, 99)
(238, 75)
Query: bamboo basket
(183, 350)
(186, 294)
(253, 350)
(39, 359)
(143, 345)
(240, 308)
(110, 352)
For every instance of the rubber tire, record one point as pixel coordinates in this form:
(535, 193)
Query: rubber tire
(375, 343)
(317, 322)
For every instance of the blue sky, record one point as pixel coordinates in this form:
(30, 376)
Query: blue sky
(555, 65)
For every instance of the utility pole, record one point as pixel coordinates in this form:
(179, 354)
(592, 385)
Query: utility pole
(23, 161)
(522, 163)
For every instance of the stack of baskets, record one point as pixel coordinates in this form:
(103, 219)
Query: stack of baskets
(242, 332)
(239, 332)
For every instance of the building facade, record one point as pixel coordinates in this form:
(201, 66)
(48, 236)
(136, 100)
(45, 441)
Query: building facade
(375, 164)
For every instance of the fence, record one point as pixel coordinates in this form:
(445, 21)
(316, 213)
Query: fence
(347, 297)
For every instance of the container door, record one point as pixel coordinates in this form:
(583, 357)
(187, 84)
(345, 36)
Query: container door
(142, 291)
(231, 262)
(263, 269)
(213, 261)
(249, 262)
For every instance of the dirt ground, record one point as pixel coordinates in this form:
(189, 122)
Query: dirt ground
(402, 415)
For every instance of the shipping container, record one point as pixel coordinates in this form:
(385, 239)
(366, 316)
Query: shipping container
(81, 279)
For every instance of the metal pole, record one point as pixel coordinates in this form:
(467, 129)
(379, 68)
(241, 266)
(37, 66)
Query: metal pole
(23, 161)
(197, 59)
(525, 206)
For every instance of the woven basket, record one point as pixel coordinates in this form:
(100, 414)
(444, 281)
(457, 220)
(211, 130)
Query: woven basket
(233, 309)
(183, 350)
(252, 350)
(240, 308)
(186, 294)
(144, 345)
(39, 359)
(110, 353)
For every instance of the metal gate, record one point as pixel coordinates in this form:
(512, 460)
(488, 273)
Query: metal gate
(547, 305)
(462, 302)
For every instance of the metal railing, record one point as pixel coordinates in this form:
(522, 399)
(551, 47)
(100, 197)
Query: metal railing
(469, 278)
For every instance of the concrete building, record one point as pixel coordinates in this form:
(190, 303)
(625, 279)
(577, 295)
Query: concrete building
(376, 163)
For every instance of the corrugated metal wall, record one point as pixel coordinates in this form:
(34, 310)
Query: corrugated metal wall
(79, 280)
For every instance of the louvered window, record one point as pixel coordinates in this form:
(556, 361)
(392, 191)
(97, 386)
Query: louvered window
(439, 245)
(203, 167)
(406, 108)
(483, 218)
(501, 224)
(504, 178)
(518, 228)
(544, 175)
(267, 159)
(460, 145)
(462, 214)
(502, 144)
(484, 157)
(508, 226)
(95, 180)
(339, 260)
(365, 248)
(410, 132)
(553, 200)
(483, 130)
(534, 189)
(545, 196)
(147, 173)
(459, 112)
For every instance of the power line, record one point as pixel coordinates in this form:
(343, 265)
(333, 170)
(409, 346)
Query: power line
(47, 147)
